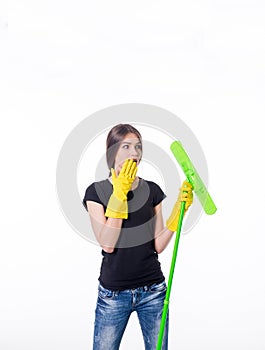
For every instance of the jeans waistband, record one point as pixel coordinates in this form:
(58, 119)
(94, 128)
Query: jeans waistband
(135, 289)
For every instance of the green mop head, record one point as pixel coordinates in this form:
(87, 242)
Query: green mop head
(193, 177)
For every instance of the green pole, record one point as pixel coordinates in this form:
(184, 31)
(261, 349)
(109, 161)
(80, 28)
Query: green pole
(171, 273)
(208, 206)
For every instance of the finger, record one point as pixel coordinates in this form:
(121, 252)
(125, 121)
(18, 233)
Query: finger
(183, 192)
(186, 194)
(187, 185)
(186, 190)
(132, 170)
(135, 171)
(128, 168)
(124, 167)
(186, 197)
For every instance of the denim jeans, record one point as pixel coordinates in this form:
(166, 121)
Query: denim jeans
(114, 309)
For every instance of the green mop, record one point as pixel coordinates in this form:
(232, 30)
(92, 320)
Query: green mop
(209, 208)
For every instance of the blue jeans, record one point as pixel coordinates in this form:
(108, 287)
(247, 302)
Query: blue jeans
(115, 307)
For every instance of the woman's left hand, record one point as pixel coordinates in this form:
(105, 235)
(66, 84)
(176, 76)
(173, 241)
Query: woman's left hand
(185, 195)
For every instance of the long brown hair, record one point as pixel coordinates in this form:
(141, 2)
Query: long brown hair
(115, 136)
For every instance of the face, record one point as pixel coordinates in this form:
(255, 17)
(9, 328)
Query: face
(130, 148)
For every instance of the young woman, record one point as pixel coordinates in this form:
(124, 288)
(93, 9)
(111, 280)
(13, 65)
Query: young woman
(126, 217)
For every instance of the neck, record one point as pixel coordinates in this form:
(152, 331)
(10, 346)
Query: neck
(135, 183)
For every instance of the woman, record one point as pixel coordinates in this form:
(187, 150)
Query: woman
(126, 217)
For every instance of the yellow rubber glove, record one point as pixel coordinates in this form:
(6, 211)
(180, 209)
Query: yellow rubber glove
(117, 205)
(185, 195)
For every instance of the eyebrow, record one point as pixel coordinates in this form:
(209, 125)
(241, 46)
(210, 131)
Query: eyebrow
(129, 143)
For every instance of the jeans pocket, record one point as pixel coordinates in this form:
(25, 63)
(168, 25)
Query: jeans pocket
(105, 293)
(158, 287)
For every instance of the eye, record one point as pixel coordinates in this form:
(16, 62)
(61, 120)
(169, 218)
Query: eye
(138, 147)
(125, 146)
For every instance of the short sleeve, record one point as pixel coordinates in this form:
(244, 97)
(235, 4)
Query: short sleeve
(157, 194)
(91, 195)
(98, 192)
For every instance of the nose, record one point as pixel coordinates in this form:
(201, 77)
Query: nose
(134, 153)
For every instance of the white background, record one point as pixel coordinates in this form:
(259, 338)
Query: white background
(64, 60)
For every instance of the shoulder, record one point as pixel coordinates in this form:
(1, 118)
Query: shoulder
(152, 185)
(98, 192)
(156, 193)
(95, 187)
(99, 184)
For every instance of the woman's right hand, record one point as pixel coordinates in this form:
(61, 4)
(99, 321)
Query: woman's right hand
(123, 182)
(117, 205)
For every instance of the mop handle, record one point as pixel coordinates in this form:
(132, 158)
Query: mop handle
(171, 273)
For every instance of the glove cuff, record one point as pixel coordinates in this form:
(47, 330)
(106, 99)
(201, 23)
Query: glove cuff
(117, 208)
(172, 223)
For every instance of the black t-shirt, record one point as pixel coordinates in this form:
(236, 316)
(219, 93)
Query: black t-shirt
(134, 262)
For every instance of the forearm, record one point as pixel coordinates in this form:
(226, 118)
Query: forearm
(164, 234)
(109, 234)
(162, 239)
